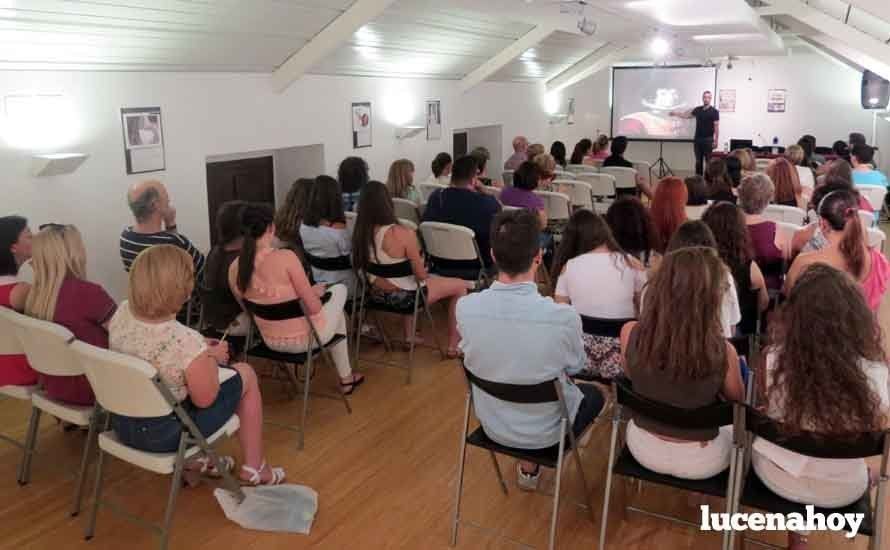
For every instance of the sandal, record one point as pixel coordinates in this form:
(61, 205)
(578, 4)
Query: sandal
(209, 468)
(255, 479)
(348, 387)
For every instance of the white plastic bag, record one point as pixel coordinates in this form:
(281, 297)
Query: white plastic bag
(284, 508)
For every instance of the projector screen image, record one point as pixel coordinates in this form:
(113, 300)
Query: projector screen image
(643, 97)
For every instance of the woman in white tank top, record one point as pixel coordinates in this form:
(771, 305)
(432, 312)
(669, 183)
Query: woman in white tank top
(379, 239)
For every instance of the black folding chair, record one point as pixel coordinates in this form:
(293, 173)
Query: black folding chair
(754, 494)
(598, 326)
(550, 457)
(293, 310)
(624, 464)
(366, 301)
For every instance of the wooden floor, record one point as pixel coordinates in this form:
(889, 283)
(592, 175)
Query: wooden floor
(385, 477)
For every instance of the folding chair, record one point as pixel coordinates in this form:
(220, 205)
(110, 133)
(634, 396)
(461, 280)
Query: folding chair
(46, 345)
(645, 169)
(579, 192)
(602, 188)
(452, 251)
(785, 233)
(868, 218)
(762, 164)
(559, 210)
(366, 302)
(564, 175)
(406, 209)
(876, 238)
(128, 386)
(579, 168)
(10, 345)
(875, 195)
(625, 179)
(408, 223)
(293, 309)
(427, 189)
(695, 212)
(787, 214)
(550, 457)
(753, 493)
(806, 177)
(507, 176)
(624, 464)
(598, 326)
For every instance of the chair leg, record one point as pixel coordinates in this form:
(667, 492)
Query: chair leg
(587, 496)
(429, 315)
(730, 495)
(497, 469)
(174, 490)
(455, 520)
(85, 460)
(97, 492)
(555, 518)
(616, 420)
(301, 441)
(30, 446)
(412, 344)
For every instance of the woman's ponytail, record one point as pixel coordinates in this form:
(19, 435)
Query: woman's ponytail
(840, 209)
(255, 221)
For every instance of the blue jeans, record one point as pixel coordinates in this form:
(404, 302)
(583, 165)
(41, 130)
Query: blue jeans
(161, 434)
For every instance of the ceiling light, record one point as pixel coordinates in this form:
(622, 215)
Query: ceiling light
(728, 37)
(659, 46)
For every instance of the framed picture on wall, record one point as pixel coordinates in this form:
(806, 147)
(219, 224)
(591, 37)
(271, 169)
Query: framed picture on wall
(726, 102)
(433, 120)
(776, 100)
(361, 125)
(143, 139)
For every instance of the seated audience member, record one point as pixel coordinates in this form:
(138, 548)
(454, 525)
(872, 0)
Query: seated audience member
(352, 175)
(547, 171)
(619, 146)
(864, 172)
(718, 180)
(746, 159)
(400, 181)
(520, 155)
(482, 155)
(522, 194)
(856, 139)
(786, 183)
(687, 364)
(810, 238)
(558, 152)
(269, 276)
(734, 169)
(324, 232)
(441, 167)
(697, 234)
(755, 194)
(599, 280)
(808, 142)
(795, 155)
(847, 248)
(161, 281)
(841, 149)
(697, 191)
(155, 224)
(534, 150)
(600, 149)
(583, 150)
(511, 310)
(633, 229)
(62, 294)
(839, 168)
(668, 210)
(826, 345)
(290, 216)
(727, 222)
(222, 312)
(460, 204)
(379, 239)
(15, 245)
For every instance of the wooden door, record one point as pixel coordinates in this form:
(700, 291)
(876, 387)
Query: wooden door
(459, 145)
(251, 180)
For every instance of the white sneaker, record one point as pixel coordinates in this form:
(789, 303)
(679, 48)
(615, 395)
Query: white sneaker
(527, 482)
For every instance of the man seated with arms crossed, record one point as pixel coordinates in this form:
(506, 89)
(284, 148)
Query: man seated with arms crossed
(544, 343)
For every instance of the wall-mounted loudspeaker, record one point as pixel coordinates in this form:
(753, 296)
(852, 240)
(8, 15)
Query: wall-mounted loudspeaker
(875, 91)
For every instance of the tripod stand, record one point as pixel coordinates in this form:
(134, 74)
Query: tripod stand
(661, 164)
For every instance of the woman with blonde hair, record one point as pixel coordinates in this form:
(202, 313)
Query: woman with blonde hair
(61, 294)
(746, 158)
(400, 181)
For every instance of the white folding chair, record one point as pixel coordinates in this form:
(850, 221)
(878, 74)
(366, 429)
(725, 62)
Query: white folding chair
(625, 178)
(10, 345)
(406, 210)
(408, 223)
(558, 208)
(645, 169)
(876, 238)
(46, 346)
(806, 177)
(453, 252)
(785, 234)
(579, 168)
(507, 176)
(596, 164)
(128, 386)
(427, 189)
(867, 217)
(788, 214)
(564, 175)
(761, 164)
(579, 192)
(695, 212)
(875, 195)
(602, 188)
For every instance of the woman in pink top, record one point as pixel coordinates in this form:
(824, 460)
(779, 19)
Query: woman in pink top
(847, 248)
(268, 276)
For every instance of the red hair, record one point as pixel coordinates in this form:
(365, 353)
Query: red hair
(668, 209)
(785, 179)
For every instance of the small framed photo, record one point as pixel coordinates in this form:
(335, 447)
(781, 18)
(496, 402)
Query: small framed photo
(361, 125)
(143, 139)
(433, 120)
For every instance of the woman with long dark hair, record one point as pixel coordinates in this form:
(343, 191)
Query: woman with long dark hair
(265, 275)
(632, 228)
(581, 152)
(719, 183)
(826, 372)
(379, 239)
(324, 233)
(15, 249)
(558, 152)
(352, 175)
(847, 248)
(599, 280)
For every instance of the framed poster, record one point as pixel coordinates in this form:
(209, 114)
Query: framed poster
(776, 100)
(726, 102)
(143, 139)
(361, 125)
(433, 120)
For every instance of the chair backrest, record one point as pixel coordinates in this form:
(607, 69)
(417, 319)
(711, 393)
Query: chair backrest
(876, 238)
(557, 205)
(579, 192)
(406, 209)
(867, 217)
(350, 221)
(447, 241)
(410, 224)
(9, 340)
(597, 326)
(862, 445)
(46, 345)
(428, 188)
(711, 416)
(564, 175)
(762, 164)
(542, 392)
(579, 168)
(601, 185)
(806, 177)
(292, 309)
(625, 178)
(596, 164)
(122, 383)
(874, 193)
(337, 263)
(644, 169)
(785, 233)
(507, 176)
(787, 214)
(695, 212)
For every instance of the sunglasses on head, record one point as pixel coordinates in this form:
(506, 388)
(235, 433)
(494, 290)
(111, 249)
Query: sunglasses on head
(52, 226)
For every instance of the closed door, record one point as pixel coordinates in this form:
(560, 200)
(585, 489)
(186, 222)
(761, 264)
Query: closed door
(249, 180)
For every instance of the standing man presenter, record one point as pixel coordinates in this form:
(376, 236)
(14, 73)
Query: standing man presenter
(707, 130)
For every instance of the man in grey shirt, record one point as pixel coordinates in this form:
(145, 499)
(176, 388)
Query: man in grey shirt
(513, 335)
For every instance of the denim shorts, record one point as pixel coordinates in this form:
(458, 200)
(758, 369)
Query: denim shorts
(161, 434)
